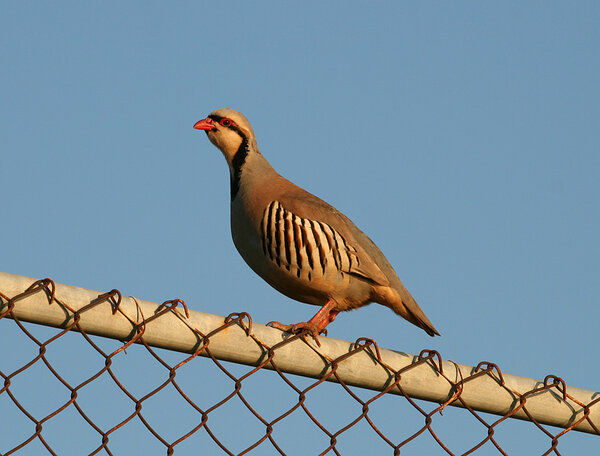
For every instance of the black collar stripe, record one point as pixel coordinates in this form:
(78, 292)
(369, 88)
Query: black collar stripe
(238, 159)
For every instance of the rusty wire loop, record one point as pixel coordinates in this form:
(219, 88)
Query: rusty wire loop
(113, 296)
(238, 317)
(172, 304)
(203, 410)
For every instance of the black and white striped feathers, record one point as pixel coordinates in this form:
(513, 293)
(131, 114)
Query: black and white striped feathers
(304, 247)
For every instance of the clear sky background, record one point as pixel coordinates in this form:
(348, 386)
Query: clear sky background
(462, 137)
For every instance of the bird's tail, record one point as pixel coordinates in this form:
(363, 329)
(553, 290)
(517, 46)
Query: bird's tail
(402, 303)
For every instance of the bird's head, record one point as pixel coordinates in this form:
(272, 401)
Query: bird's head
(228, 130)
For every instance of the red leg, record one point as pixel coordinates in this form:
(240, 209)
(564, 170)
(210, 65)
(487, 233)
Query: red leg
(316, 325)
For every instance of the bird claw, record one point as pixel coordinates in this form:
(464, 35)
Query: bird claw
(298, 327)
(310, 328)
(315, 326)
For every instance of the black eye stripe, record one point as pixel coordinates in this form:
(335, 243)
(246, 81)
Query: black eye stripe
(220, 119)
(216, 118)
(233, 126)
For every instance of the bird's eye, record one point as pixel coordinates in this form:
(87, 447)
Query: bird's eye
(226, 122)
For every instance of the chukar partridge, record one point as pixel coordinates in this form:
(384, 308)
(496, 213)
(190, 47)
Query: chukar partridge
(299, 244)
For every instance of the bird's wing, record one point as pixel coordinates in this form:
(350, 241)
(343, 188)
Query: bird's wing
(307, 233)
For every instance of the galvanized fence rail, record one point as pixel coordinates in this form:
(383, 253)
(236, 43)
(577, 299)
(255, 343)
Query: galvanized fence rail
(480, 390)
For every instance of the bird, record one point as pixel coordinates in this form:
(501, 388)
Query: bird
(299, 244)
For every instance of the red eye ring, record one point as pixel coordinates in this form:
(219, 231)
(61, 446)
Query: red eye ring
(226, 122)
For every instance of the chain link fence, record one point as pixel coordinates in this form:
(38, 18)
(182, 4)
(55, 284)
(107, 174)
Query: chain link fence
(189, 372)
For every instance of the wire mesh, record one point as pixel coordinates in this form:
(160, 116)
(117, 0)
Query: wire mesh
(180, 402)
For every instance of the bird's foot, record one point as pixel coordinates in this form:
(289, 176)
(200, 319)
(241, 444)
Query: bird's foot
(299, 327)
(315, 326)
(313, 329)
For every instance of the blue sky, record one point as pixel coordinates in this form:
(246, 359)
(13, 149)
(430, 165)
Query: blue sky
(462, 137)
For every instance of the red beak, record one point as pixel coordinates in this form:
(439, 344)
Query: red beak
(205, 124)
